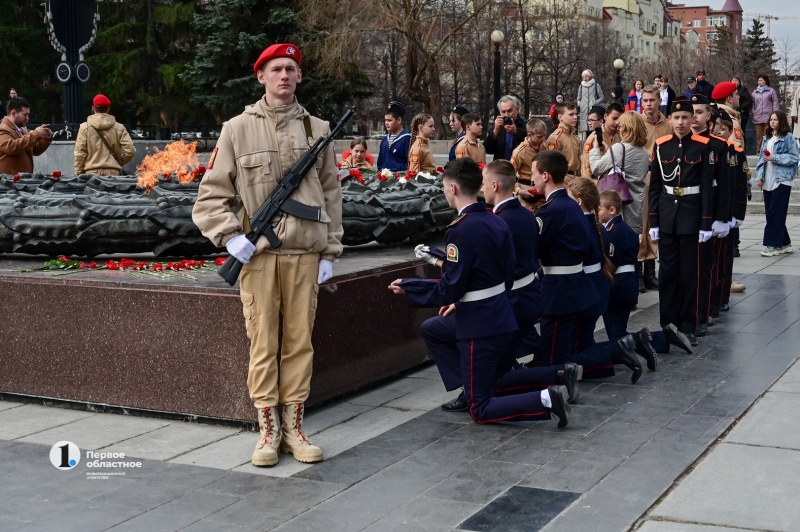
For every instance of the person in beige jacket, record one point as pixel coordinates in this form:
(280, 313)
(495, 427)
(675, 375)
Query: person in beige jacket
(254, 150)
(102, 146)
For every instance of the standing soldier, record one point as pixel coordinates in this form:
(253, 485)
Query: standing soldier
(456, 115)
(103, 146)
(394, 148)
(608, 121)
(254, 150)
(727, 99)
(564, 138)
(657, 127)
(470, 146)
(681, 213)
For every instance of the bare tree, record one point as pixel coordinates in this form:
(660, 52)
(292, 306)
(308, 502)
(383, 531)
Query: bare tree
(788, 64)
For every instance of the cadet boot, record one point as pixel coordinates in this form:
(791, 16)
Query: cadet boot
(642, 287)
(737, 287)
(266, 451)
(702, 330)
(570, 375)
(294, 440)
(459, 404)
(649, 273)
(559, 404)
(623, 351)
(644, 349)
(677, 338)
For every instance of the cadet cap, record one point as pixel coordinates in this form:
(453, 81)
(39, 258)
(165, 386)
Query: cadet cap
(700, 99)
(723, 90)
(101, 100)
(278, 50)
(681, 105)
(396, 107)
(723, 115)
(460, 110)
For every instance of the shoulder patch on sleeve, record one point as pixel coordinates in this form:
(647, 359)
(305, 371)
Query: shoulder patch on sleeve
(210, 164)
(459, 154)
(701, 138)
(415, 158)
(551, 146)
(541, 224)
(452, 253)
(662, 140)
(737, 132)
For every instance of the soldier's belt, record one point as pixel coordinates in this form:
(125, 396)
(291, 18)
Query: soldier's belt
(682, 191)
(562, 270)
(626, 268)
(525, 281)
(592, 268)
(486, 293)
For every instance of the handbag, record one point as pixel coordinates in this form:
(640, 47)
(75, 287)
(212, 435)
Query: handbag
(615, 180)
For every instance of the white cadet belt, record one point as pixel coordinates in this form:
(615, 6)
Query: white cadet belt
(486, 293)
(562, 270)
(592, 268)
(525, 281)
(626, 268)
(685, 191)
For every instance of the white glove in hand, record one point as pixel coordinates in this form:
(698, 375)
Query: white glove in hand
(423, 252)
(705, 236)
(732, 223)
(654, 233)
(325, 271)
(720, 229)
(241, 248)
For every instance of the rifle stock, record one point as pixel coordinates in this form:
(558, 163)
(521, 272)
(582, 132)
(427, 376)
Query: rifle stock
(261, 220)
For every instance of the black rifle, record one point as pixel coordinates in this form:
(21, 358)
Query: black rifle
(279, 202)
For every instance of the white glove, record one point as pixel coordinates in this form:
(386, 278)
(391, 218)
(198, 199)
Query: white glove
(423, 252)
(654, 233)
(705, 236)
(241, 248)
(732, 223)
(720, 229)
(325, 271)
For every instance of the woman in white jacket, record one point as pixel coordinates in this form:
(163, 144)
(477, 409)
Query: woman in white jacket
(633, 132)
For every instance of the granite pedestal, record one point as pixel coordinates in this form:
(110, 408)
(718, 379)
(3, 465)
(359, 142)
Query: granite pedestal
(178, 345)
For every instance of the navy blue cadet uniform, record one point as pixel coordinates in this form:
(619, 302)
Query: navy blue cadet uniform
(738, 162)
(593, 266)
(564, 242)
(455, 144)
(681, 205)
(526, 300)
(394, 156)
(624, 293)
(480, 258)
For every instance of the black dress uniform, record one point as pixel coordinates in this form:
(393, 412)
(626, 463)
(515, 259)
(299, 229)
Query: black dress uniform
(738, 164)
(478, 273)
(564, 243)
(593, 267)
(681, 205)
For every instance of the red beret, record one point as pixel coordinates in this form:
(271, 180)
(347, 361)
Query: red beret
(723, 90)
(278, 50)
(101, 101)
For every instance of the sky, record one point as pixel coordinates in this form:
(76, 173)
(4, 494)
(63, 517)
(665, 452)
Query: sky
(780, 28)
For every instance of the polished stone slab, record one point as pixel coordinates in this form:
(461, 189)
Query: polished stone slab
(520, 509)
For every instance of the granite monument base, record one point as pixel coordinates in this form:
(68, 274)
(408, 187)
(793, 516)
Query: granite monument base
(178, 345)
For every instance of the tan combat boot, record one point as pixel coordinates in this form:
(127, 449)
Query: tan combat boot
(269, 441)
(294, 440)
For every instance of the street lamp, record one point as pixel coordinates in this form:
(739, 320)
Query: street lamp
(497, 39)
(619, 64)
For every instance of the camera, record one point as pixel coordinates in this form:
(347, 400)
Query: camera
(507, 120)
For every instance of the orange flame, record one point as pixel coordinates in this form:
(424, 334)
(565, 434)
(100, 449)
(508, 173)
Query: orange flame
(177, 157)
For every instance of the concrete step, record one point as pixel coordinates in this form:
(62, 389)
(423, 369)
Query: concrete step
(757, 207)
(758, 195)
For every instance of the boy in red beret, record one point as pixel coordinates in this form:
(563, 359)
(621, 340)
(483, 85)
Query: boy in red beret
(253, 152)
(102, 146)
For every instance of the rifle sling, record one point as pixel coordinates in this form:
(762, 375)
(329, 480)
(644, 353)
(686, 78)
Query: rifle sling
(105, 142)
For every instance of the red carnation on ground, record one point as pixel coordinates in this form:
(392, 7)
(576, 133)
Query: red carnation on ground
(440, 169)
(57, 174)
(93, 265)
(355, 172)
(17, 177)
(83, 266)
(219, 261)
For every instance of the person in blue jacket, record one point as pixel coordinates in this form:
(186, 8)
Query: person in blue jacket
(455, 124)
(394, 148)
(478, 272)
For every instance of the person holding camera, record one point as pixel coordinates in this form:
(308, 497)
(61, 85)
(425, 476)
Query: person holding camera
(509, 129)
(17, 144)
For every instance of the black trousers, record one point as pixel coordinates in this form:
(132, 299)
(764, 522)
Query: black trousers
(776, 205)
(678, 280)
(725, 289)
(708, 276)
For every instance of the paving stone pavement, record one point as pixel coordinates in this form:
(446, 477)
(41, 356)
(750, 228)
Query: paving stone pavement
(395, 461)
